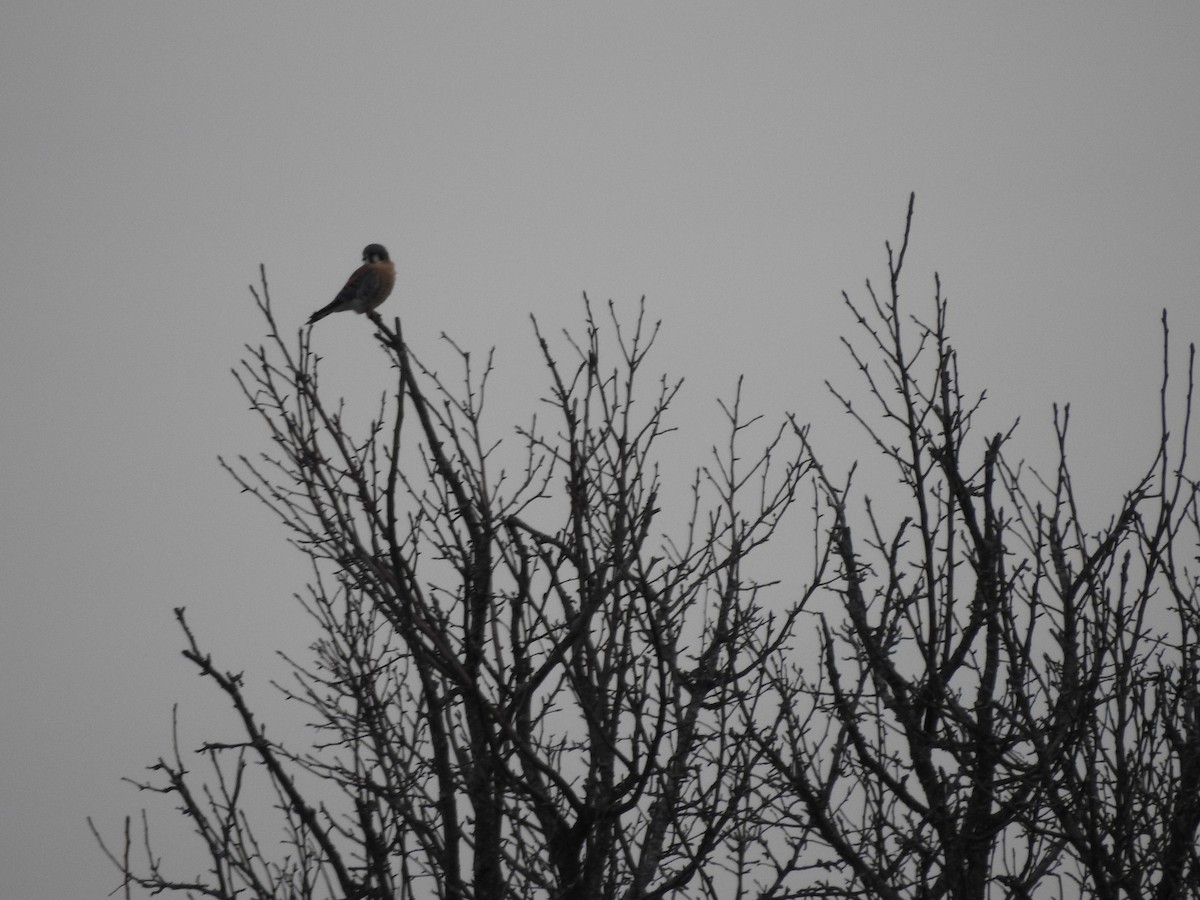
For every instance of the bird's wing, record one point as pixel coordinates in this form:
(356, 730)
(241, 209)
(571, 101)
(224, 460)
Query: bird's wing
(361, 282)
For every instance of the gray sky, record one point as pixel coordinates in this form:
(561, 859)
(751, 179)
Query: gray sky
(738, 165)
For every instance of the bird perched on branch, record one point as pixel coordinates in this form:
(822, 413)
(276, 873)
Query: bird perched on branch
(368, 287)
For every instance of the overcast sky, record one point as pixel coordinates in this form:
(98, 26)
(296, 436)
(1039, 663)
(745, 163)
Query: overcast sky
(738, 165)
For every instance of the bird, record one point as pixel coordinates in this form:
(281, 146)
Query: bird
(367, 288)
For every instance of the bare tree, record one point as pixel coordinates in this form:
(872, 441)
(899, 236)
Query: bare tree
(522, 688)
(1001, 707)
(1122, 770)
(519, 690)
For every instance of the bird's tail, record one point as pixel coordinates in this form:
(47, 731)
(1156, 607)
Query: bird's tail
(321, 313)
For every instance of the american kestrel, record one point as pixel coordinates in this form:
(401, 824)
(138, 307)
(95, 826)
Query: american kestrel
(368, 287)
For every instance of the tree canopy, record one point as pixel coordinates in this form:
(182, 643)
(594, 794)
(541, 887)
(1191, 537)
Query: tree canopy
(527, 685)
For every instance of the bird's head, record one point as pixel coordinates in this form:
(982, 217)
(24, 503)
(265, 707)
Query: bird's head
(374, 253)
